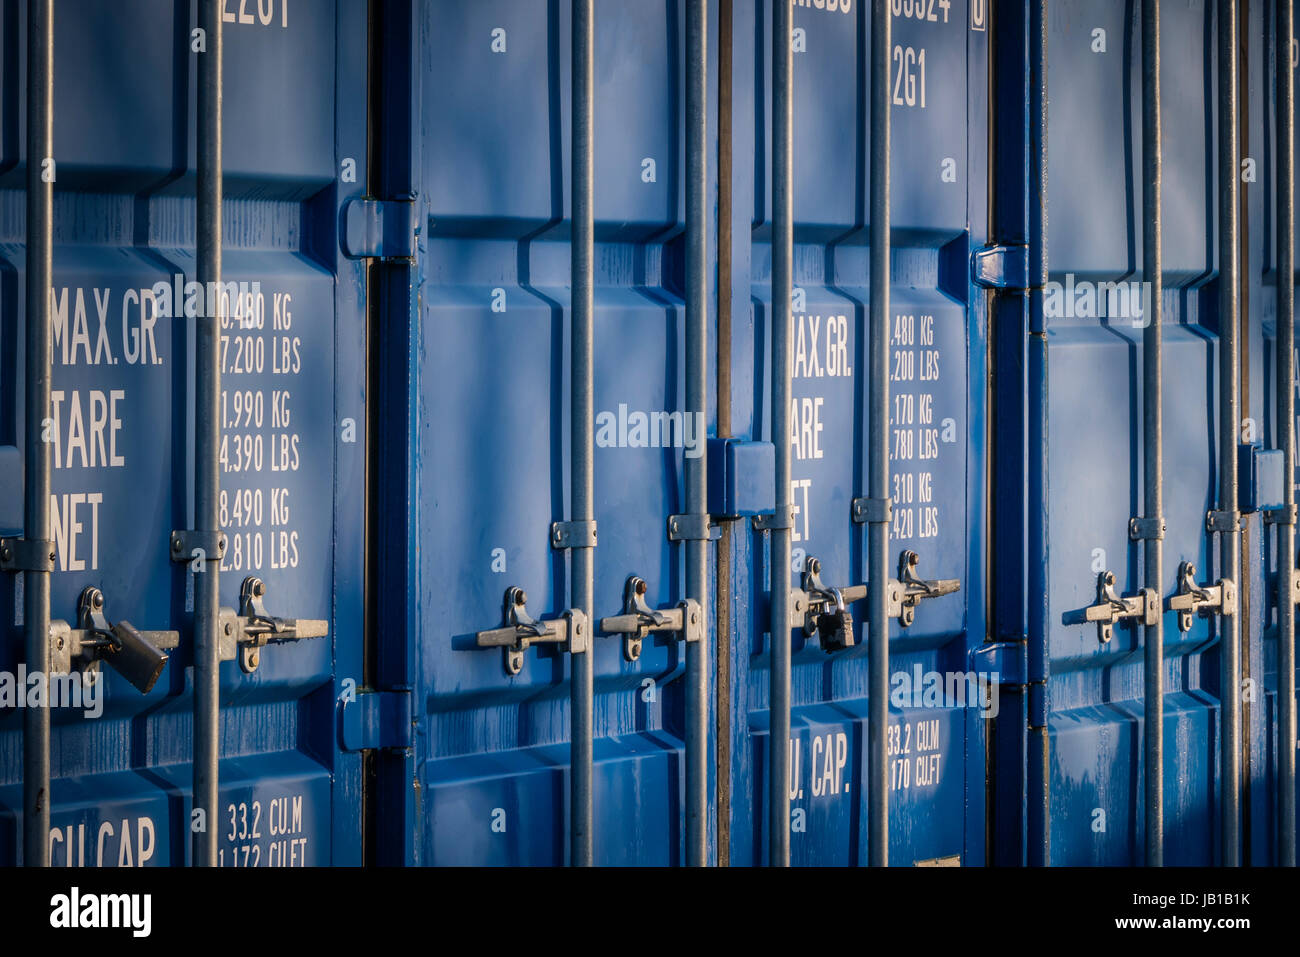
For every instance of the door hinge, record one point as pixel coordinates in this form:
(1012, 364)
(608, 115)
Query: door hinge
(379, 229)
(1006, 659)
(1001, 267)
(377, 719)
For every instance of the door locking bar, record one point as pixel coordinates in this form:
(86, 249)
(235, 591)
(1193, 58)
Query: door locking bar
(906, 593)
(824, 611)
(1192, 599)
(1111, 608)
(139, 656)
(521, 630)
(244, 634)
(639, 619)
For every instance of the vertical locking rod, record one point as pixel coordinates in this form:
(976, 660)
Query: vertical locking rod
(722, 572)
(1038, 811)
(1230, 540)
(40, 355)
(778, 741)
(878, 440)
(582, 502)
(1152, 438)
(1285, 343)
(697, 652)
(207, 439)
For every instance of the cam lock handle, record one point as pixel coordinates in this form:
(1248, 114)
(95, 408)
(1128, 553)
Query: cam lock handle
(638, 619)
(909, 590)
(1192, 599)
(520, 630)
(139, 656)
(1111, 608)
(243, 634)
(824, 611)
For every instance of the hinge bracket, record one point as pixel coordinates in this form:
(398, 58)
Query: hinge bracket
(188, 545)
(1222, 521)
(866, 511)
(1286, 515)
(1001, 267)
(1146, 529)
(379, 229)
(566, 535)
(692, 528)
(26, 555)
(1006, 659)
(767, 521)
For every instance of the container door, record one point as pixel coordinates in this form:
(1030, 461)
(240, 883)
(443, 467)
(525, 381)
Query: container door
(1083, 356)
(936, 429)
(122, 417)
(477, 335)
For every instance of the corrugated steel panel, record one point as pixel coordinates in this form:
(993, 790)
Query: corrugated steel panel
(399, 458)
(122, 426)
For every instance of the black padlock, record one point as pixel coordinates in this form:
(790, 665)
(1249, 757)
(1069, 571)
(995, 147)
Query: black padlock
(835, 627)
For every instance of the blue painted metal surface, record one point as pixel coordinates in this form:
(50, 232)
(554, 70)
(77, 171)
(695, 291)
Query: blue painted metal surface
(936, 438)
(397, 426)
(1085, 406)
(490, 163)
(123, 378)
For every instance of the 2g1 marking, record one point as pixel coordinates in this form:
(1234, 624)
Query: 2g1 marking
(909, 76)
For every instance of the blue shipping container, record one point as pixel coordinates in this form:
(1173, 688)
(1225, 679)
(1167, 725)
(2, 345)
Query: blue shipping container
(443, 640)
